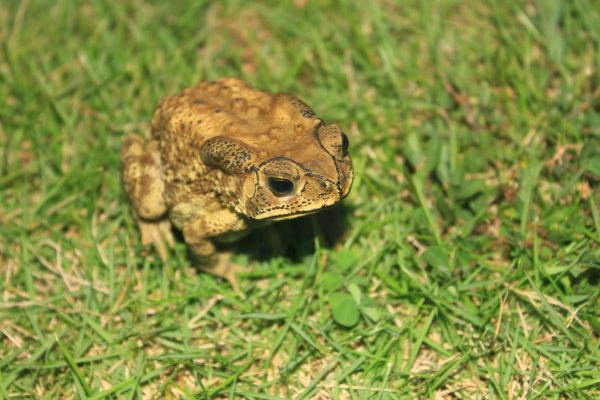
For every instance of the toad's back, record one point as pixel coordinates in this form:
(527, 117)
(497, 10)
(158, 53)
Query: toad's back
(210, 108)
(276, 124)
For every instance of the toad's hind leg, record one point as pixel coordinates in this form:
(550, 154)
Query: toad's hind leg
(142, 178)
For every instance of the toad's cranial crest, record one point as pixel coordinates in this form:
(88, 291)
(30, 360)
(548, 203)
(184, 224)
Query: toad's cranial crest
(222, 157)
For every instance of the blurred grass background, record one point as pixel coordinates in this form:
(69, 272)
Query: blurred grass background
(468, 263)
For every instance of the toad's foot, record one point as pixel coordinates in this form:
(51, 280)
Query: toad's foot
(158, 234)
(224, 268)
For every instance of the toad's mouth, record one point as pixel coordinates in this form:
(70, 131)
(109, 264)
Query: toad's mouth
(291, 215)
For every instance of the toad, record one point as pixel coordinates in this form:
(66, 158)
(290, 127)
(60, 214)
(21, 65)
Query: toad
(224, 158)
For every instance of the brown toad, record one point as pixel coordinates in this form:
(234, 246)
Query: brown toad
(224, 158)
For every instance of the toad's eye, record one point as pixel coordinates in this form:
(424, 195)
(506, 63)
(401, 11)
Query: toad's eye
(345, 143)
(280, 187)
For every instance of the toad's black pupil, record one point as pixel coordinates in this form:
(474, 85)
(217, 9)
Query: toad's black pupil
(345, 143)
(280, 187)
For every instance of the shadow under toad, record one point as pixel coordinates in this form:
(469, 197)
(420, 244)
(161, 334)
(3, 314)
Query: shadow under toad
(292, 239)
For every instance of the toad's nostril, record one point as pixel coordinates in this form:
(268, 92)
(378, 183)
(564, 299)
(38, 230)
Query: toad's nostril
(326, 185)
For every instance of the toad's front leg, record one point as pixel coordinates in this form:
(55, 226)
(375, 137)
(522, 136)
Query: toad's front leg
(199, 234)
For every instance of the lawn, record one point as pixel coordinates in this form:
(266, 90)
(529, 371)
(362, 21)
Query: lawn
(465, 263)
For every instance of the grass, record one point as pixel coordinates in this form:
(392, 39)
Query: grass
(464, 263)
